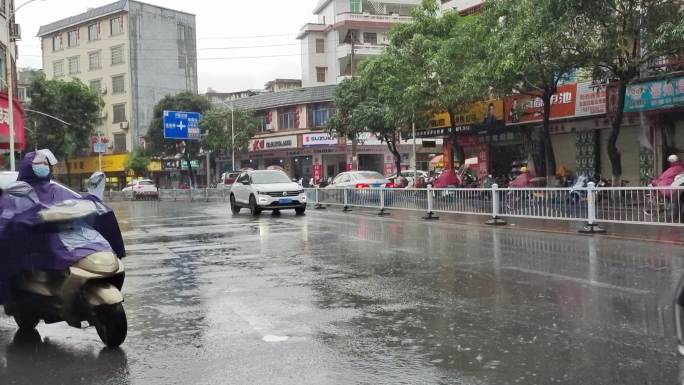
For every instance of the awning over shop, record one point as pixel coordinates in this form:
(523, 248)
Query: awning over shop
(437, 162)
(19, 123)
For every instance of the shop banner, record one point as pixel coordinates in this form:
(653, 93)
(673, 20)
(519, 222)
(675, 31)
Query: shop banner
(591, 99)
(274, 143)
(524, 108)
(480, 116)
(655, 95)
(317, 171)
(318, 139)
(18, 123)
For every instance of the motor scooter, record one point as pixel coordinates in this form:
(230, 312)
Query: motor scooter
(89, 290)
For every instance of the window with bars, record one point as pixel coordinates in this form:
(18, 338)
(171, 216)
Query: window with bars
(96, 86)
(119, 113)
(120, 143)
(93, 32)
(57, 43)
(370, 38)
(117, 55)
(355, 6)
(115, 25)
(74, 65)
(262, 120)
(320, 74)
(118, 85)
(286, 118)
(320, 46)
(319, 114)
(94, 62)
(72, 38)
(58, 68)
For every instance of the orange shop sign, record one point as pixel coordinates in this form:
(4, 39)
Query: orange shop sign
(525, 108)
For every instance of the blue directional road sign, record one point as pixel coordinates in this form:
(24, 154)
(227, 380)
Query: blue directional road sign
(181, 125)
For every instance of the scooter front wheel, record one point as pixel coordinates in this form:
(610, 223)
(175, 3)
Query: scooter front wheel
(111, 324)
(26, 322)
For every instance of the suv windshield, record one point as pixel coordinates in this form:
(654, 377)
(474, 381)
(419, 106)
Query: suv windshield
(270, 177)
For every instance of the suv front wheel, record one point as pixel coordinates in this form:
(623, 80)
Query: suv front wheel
(253, 208)
(234, 208)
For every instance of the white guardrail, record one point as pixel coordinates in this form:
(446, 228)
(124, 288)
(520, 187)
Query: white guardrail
(637, 205)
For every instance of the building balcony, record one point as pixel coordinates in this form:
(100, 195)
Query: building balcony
(366, 19)
(360, 49)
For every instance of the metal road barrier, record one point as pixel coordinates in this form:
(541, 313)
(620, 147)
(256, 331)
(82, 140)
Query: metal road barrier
(635, 205)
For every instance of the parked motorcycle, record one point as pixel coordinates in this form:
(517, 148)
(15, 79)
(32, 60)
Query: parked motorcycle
(88, 288)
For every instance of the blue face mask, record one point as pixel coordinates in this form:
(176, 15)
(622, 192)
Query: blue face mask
(41, 170)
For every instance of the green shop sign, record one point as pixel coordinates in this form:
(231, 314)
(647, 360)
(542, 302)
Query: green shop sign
(655, 95)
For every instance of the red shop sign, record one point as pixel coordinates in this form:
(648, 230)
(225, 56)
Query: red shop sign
(19, 137)
(524, 108)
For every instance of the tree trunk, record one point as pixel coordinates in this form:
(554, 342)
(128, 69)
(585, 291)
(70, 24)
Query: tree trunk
(549, 156)
(616, 124)
(190, 173)
(355, 161)
(456, 152)
(68, 169)
(392, 146)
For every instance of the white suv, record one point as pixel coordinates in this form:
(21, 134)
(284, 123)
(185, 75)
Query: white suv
(141, 189)
(266, 190)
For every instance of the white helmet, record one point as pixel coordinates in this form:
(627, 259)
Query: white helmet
(673, 158)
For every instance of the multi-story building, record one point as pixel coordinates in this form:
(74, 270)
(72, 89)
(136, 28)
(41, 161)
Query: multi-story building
(346, 32)
(132, 53)
(292, 134)
(276, 85)
(9, 34)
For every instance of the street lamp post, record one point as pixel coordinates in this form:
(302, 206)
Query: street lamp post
(232, 134)
(10, 80)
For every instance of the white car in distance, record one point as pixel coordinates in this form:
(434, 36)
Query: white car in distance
(360, 180)
(266, 190)
(141, 189)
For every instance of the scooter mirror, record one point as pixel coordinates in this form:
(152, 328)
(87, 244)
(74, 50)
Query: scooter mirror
(96, 184)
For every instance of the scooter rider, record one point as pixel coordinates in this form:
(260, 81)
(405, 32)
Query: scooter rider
(668, 177)
(523, 180)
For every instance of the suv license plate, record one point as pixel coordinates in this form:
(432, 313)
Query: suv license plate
(285, 201)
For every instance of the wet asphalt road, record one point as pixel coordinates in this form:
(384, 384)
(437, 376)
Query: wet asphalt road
(332, 298)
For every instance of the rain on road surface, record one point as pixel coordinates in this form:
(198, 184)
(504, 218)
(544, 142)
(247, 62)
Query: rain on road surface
(332, 298)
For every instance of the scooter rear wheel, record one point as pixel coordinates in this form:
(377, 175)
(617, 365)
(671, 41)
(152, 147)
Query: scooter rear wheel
(26, 322)
(111, 324)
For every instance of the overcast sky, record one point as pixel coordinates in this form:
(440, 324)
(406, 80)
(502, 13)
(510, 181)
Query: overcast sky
(225, 29)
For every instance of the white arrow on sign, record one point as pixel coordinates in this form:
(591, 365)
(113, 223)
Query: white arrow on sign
(181, 125)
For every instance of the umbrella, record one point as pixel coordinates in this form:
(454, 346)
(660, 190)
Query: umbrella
(437, 162)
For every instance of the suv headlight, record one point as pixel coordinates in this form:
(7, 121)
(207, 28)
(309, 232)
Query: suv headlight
(300, 192)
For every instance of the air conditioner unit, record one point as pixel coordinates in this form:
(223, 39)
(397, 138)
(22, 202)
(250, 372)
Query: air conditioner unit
(123, 125)
(15, 32)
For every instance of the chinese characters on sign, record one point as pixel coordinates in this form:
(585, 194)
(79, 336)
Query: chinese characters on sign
(591, 99)
(273, 143)
(654, 95)
(181, 125)
(524, 108)
(18, 124)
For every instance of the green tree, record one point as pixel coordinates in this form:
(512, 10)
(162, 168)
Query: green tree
(442, 54)
(159, 146)
(71, 101)
(621, 39)
(216, 125)
(139, 163)
(347, 97)
(530, 49)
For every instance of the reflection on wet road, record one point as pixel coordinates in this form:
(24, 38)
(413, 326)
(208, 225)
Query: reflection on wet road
(330, 298)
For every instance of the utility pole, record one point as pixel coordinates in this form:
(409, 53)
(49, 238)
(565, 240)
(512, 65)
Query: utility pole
(232, 134)
(351, 34)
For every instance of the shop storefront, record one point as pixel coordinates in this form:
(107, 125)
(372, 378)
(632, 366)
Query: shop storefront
(114, 167)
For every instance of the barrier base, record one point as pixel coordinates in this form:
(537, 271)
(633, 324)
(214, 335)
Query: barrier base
(496, 221)
(383, 213)
(592, 228)
(320, 207)
(431, 216)
(346, 209)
